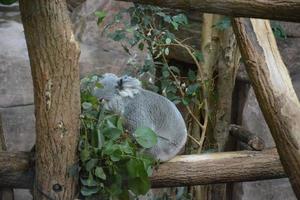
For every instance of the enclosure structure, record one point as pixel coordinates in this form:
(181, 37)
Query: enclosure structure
(262, 67)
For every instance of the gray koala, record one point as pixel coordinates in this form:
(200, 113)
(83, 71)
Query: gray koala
(143, 108)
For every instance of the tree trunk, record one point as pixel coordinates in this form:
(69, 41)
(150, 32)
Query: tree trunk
(274, 91)
(238, 166)
(54, 56)
(287, 10)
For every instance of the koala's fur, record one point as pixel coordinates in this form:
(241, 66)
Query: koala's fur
(143, 108)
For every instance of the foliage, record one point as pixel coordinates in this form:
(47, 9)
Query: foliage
(7, 2)
(151, 28)
(223, 23)
(278, 30)
(101, 15)
(113, 162)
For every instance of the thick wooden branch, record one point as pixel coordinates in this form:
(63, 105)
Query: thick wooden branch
(5, 193)
(286, 10)
(16, 169)
(218, 168)
(247, 137)
(274, 91)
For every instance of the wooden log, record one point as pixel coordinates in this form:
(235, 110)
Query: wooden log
(5, 193)
(214, 168)
(247, 137)
(274, 91)
(286, 10)
(16, 169)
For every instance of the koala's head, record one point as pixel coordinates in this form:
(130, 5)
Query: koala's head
(113, 86)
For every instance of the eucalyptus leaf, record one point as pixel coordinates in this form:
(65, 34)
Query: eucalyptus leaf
(145, 136)
(88, 191)
(100, 173)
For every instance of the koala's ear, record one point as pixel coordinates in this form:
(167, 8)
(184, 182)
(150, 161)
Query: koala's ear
(128, 86)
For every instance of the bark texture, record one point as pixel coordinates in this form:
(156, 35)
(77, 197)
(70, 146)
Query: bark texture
(287, 10)
(16, 170)
(5, 193)
(54, 56)
(248, 138)
(274, 91)
(181, 171)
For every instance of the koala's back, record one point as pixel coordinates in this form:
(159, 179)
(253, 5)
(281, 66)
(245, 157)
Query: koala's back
(148, 109)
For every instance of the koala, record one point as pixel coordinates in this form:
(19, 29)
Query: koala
(143, 108)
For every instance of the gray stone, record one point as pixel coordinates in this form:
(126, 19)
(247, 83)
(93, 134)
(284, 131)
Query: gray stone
(264, 190)
(19, 127)
(290, 53)
(99, 54)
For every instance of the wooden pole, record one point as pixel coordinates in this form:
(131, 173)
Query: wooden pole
(286, 10)
(274, 91)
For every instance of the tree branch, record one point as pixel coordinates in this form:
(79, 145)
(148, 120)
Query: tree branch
(286, 10)
(247, 137)
(16, 169)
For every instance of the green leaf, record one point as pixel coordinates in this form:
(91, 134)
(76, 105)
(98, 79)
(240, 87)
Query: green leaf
(88, 182)
(101, 15)
(180, 18)
(199, 56)
(168, 41)
(278, 31)
(116, 155)
(141, 46)
(112, 133)
(192, 75)
(86, 106)
(146, 137)
(7, 2)
(100, 173)
(135, 168)
(85, 155)
(167, 51)
(139, 186)
(223, 24)
(185, 101)
(192, 89)
(100, 139)
(175, 69)
(91, 164)
(86, 191)
(118, 35)
(166, 74)
(99, 85)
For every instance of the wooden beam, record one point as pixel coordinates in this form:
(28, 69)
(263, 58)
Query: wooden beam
(274, 91)
(286, 10)
(16, 169)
